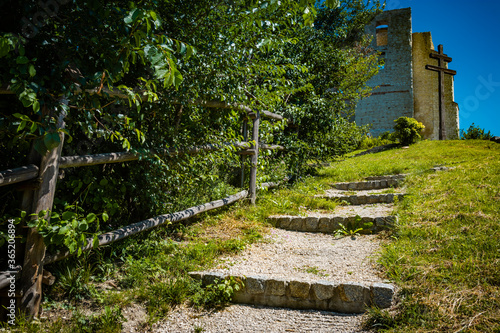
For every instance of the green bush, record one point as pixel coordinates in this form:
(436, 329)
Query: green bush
(408, 130)
(475, 133)
(384, 139)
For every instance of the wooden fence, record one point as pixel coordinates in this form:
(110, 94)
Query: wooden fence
(46, 174)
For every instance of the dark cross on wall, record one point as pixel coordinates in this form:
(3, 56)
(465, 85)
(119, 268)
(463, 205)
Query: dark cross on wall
(442, 70)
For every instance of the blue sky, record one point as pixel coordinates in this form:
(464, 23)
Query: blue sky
(470, 34)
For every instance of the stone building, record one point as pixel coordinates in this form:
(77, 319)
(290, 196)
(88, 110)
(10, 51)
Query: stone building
(405, 86)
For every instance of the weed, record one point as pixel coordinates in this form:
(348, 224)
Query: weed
(353, 229)
(163, 296)
(217, 294)
(108, 321)
(312, 270)
(198, 329)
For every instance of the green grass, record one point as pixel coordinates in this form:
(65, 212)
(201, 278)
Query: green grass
(444, 255)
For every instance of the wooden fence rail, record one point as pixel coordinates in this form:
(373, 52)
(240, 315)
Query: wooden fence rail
(43, 195)
(115, 235)
(18, 175)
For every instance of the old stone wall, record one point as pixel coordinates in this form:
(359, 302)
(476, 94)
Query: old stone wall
(426, 91)
(404, 87)
(392, 31)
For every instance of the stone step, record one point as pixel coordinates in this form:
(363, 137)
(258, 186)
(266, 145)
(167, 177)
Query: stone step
(388, 177)
(369, 185)
(330, 224)
(363, 199)
(344, 297)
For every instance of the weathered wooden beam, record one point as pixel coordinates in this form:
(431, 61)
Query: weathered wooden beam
(441, 56)
(11, 176)
(115, 235)
(110, 92)
(439, 69)
(270, 147)
(271, 115)
(274, 184)
(6, 91)
(247, 152)
(252, 190)
(6, 277)
(31, 277)
(88, 160)
(199, 102)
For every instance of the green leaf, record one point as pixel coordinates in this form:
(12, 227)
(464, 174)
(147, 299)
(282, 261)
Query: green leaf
(95, 241)
(105, 216)
(64, 230)
(21, 60)
(32, 70)
(83, 226)
(40, 146)
(4, 47)
(21, 126)
(68, 215)
(132, 16)
(91, 217)
(51, 140)
(21, 116)
(36, 106)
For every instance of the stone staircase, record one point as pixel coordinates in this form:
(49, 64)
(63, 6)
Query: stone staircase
(370, 204)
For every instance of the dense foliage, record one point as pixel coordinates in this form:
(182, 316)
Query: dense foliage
(475, 133)
(162, 55)
(407, 130)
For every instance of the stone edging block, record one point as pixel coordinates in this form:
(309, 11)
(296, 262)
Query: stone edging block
(346, 297)
(369, 185)
(330, 224)
(366, 199)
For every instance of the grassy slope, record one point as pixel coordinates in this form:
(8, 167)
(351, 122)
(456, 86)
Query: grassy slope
(445, 255)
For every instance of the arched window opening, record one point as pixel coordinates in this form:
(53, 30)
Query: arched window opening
(382, 63)
(382, 33)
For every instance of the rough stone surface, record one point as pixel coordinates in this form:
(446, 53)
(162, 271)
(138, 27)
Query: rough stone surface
(394, 96)
(324, 290)
(299, 289)
(353, 292)
(404, 87)
(382, 294)
(369, 185)
(255, 284)
(347, 297)
(276, 287)
(362, 197)
(329, 224)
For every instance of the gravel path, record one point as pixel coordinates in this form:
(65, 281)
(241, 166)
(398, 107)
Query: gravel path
(252, 319)
(303, 256)
(374, 210)
(283, 254)
(307, 256)
(341, 193)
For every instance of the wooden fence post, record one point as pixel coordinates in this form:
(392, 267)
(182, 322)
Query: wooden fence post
(43, 198)
(252, 191)
(243, 157)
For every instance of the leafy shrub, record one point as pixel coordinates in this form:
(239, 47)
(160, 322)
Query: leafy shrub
(384, 139)
(408, 130)
(475, 133)
(218, 294)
